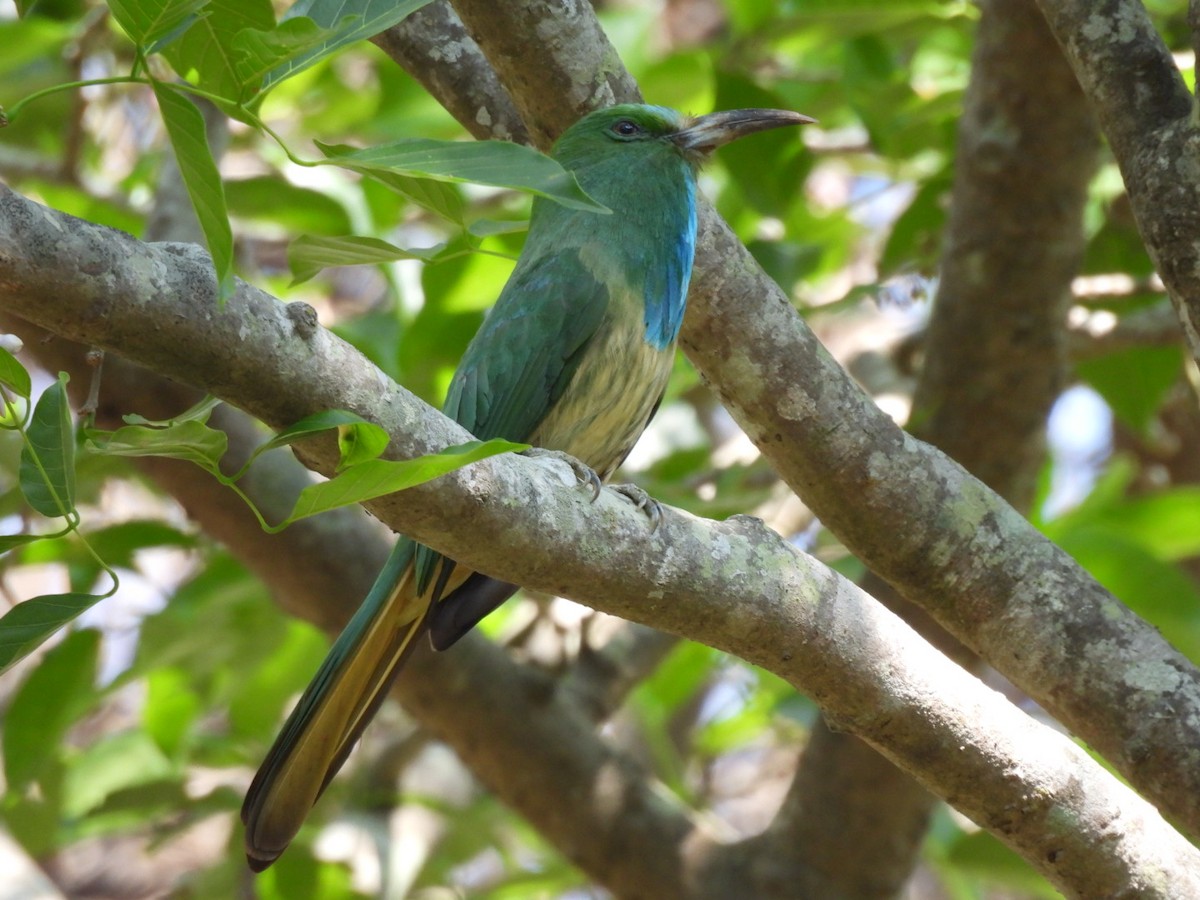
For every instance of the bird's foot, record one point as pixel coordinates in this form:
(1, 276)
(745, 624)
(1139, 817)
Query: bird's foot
(584, 473)
(643, 501)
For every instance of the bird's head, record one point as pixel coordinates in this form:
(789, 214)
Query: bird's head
(635, 130)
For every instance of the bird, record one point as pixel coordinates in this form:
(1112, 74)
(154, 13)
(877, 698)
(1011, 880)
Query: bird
(573, 358)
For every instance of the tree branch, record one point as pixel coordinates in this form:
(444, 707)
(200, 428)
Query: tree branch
(996, 346)
(554, 59)
(433, 46)
(514, 517)
(1150, 120)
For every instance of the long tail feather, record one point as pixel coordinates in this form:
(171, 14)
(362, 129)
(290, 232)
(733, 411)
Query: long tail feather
(334, 710)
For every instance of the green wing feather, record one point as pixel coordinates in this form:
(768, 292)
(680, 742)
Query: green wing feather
(523, 356)
(528, 348)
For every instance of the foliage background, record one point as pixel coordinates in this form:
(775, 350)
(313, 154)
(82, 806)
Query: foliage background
(126, 782)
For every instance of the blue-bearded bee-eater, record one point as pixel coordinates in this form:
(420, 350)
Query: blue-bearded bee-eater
(574, 357)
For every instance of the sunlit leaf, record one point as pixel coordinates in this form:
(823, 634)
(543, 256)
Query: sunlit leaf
(13, 375)
(12, 541)
(206, 50)
(439, 197)
(346, 21)
(309, 254)
(117, 761)
(47, 471)
(360, 442)
(200, 413)
(170, 708)
(495, 163)
(190, 439)
(314, 424)
(258, 51)
(1134, 382)
(147, 21)
(377, 477)
(24, 627)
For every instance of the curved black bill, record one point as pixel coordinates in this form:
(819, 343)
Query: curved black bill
(707, 133)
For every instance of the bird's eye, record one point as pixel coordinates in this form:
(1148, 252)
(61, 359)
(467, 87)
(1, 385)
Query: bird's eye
(626, 128)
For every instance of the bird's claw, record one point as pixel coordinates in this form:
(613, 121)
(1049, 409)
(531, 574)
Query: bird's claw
(586, 474)
(643, 501)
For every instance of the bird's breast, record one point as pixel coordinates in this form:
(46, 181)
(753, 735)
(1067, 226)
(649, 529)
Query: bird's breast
(609, 400)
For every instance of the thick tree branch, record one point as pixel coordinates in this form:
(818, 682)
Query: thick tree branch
(554, 59)
(1150, 120)
(996, 346)
(433, 46)
(514, 517)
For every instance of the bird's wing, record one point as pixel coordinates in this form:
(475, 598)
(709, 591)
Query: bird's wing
(521, 360)
(528, 348)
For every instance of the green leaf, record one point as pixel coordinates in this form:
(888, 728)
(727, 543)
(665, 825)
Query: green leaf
(273, 199)
(1134, 382)
(221, 600)
(916, 237)
(360, 442)
(258, 52)
(308, 255)
(115, 762)
(1156, 590)
(146, 21)
(170, 707)
(1167, 524)
(347, 22)
(277, 676)
(358, 439)
(54, 695)
(205, 52)
(482, 228)
(440, 198)
(12, 541)
(200, 413)
(377, 477)
(314, 424)
(47, 472)
(190, 440)
(185, 127)
(480, 162)
(13, 375)
(24, 627)
(119, 544)
(768, 166)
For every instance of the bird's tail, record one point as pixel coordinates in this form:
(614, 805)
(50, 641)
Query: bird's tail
(334, 709)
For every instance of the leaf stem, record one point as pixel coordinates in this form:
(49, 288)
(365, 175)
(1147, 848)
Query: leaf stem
(12, 114)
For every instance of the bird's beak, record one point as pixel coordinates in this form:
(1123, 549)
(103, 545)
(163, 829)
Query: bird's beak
(706, 133)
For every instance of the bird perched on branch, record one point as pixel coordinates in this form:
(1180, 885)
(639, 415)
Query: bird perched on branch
(574, 357)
